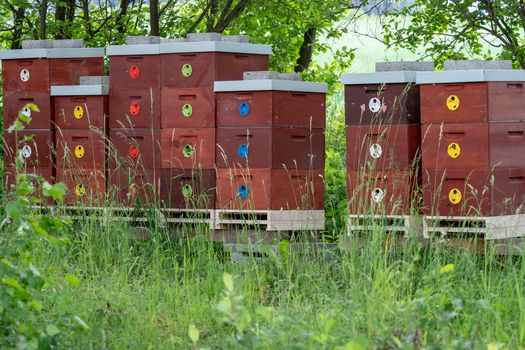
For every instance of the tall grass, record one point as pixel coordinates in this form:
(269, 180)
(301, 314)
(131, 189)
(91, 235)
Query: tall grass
(145, 294)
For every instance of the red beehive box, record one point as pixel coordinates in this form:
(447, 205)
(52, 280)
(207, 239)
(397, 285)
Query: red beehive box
(271, 108)
(134, 108)
(290, 148)
(80, 149)
(85, 186)
(188, 188)
(38, 69)
(80, 107)
(507, 143)
(270, 102)
(188, 148)
(473, 146)
(382, 192)
(455, 146)
(508, 191)
(136, 148)
(187, 108)
(380, 147)
(474, 96)
(200, 63)
(474, 192)
(270, 189)
(130, 186)
(15, 102)
(387, 97)
(456, 192)
(36, 147)
(134, 66)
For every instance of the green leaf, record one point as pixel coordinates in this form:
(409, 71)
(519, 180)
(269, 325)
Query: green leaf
(228, 282)
(83, 325)
(447, 268)
(52, 330)
(72, 280)
(193, 333)
(225, 306)
(57, 191)
(357, 343)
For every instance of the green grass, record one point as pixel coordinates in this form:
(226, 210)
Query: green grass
(145, 294)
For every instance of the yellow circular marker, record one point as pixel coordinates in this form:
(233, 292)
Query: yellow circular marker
(453, 150)
(453, 102)
(187, 150)
(80, 190)
(79, 151)
(78, 112)
(454, 196)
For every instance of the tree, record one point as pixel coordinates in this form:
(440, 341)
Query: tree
(453, 29)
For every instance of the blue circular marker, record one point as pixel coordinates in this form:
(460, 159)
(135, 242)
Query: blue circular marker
(242, 191)
(242, 151)
(244, 109)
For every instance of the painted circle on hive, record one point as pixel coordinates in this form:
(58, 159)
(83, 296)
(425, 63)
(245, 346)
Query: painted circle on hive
(454, 196)
(376, 151)
(78, 112)
(186, 70)
(187, 110)
(134, 72)
(242, 191)
(134, 108)
(134, 151)
(374, 105)
(243, 150)
(187, 150)
(453, 102)
(80, 190)
(244, 109)
(79, 151)
(454, 150)
(24, 75)
(378, 195)
(26, 151)
(26, 111)
(187, 190)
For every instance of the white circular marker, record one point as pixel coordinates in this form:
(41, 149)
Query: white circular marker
(378, 195)
(26, 111)
(374, 105)
(376, 151)
(26, 151)
(24, 75)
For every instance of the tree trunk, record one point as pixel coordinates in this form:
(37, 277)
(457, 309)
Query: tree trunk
(212, 17)
(154, 17)
(121, 26)
(18, 22)
(60, 18)
(306, 51)
(43, 15)
(87, 21)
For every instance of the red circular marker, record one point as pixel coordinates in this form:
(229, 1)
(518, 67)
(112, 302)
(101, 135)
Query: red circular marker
(134, 72)
(134, 108)
(134, 151)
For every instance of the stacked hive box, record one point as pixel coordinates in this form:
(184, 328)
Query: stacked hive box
(162, 112)
(189, 69)
(27, 77)
(80, 138)
(473, 139)
(383, 138)
(134, 119)
(270, 151)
